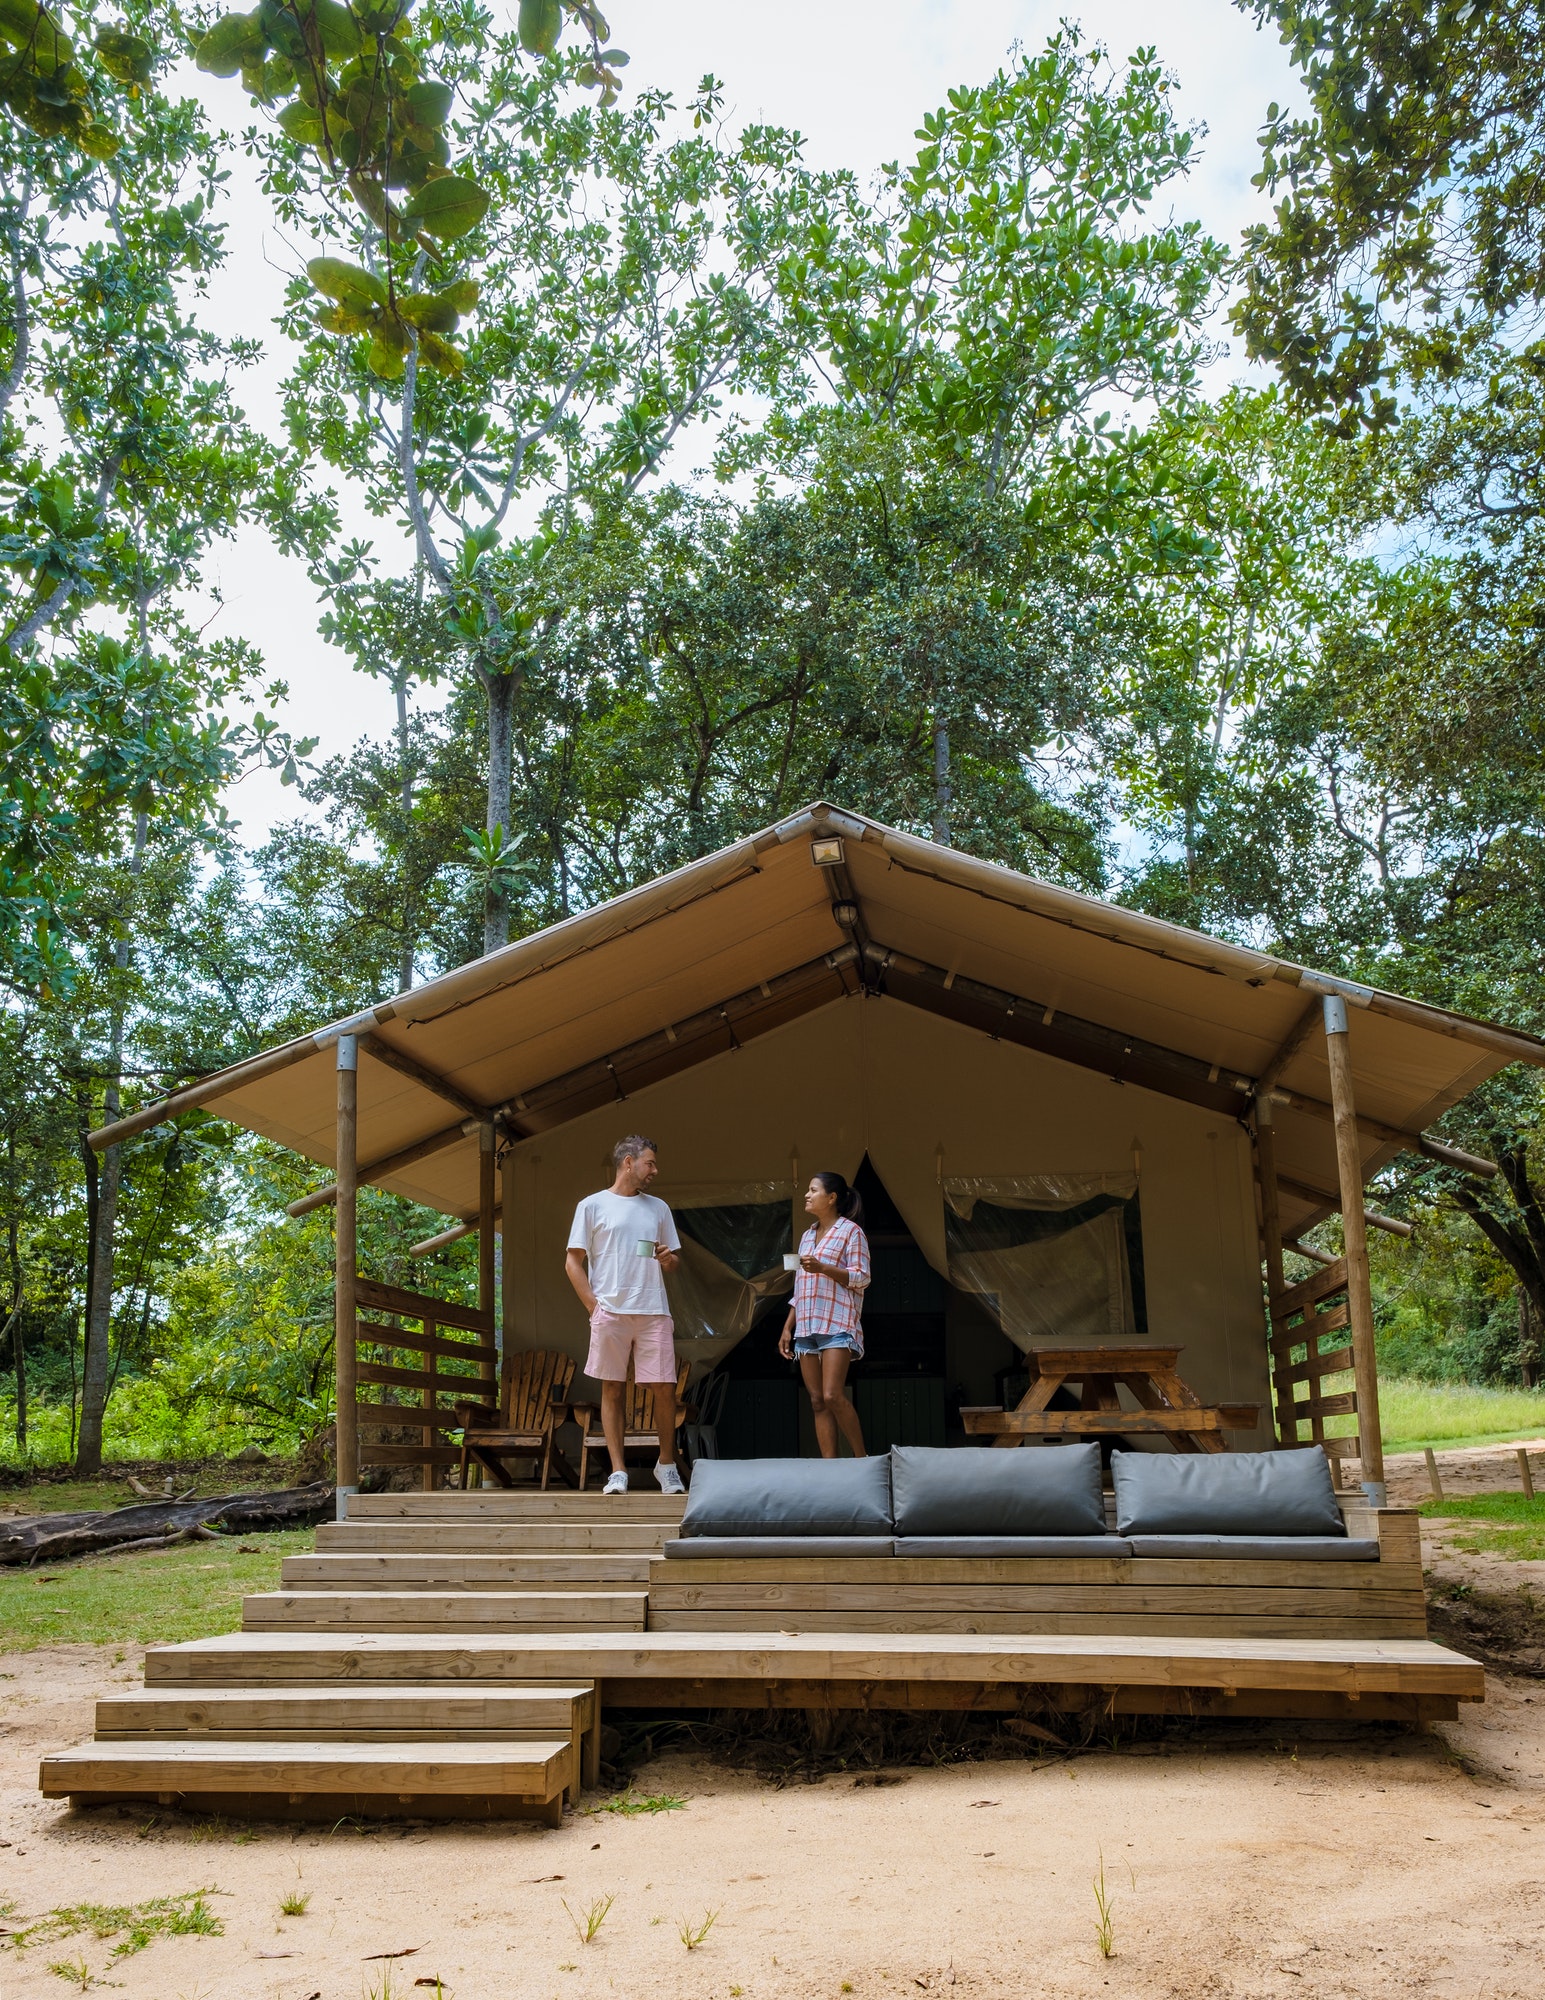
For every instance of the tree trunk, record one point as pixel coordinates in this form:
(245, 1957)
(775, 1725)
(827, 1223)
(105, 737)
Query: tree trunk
(941, 783)
(405, 775)
(99, 1312)
(501, 753)
(18, 1335)
(99, 1296)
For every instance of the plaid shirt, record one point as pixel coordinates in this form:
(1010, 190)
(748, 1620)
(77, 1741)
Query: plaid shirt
(822, 1307)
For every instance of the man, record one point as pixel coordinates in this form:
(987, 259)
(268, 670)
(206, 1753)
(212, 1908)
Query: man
(622, 1243)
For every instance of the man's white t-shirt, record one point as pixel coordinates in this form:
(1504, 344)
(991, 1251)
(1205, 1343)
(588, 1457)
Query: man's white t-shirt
(608, 1227)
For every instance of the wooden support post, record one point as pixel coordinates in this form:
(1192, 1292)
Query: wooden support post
(429, 1436)
(590, 1773)
(345, 1271)
(1526, 1474)
(507, 1286)
(1432, 1473)
(487, 1206)
(1355, 1238)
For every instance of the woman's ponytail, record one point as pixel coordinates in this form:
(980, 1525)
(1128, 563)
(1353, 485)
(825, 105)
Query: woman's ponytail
(850, 1203)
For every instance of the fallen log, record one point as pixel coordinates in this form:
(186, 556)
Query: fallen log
(56, 1537)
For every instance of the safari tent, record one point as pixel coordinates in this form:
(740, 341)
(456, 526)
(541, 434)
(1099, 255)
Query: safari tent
(1075, 1122)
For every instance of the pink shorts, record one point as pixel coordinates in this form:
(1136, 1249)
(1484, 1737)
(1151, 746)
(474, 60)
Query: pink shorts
(645, 1337)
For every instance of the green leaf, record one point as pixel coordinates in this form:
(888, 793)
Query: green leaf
(429, 104)
(383, 359)
(355, 289)
(299, 122)
(439, 354)
(234, 40)
(282, 30)
(339, 319)
(340, 35)
(28, 26)
(438, 312)
(379, 17)
(125, 57)
(541, 23)
(428, 312)
(97, 141)
(448, 208)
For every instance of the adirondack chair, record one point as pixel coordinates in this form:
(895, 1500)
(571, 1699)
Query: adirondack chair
(639, 1431)
(538, 1392)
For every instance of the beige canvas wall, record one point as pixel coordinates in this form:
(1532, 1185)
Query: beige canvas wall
(924, 1096)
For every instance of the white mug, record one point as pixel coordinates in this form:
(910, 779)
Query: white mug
(791, 1260)
(647, 1247)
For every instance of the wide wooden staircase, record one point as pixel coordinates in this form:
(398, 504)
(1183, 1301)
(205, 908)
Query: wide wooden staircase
(447, 1654)
(320, 1713)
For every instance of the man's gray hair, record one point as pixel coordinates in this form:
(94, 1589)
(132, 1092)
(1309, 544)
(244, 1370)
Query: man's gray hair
(630, 1148)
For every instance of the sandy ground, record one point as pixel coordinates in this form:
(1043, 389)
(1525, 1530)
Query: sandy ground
(1489, 1468)
(1387, 1864)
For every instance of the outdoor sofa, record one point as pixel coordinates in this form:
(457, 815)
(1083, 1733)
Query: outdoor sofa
(918, 1502)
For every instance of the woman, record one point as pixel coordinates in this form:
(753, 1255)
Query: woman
(823, 1326)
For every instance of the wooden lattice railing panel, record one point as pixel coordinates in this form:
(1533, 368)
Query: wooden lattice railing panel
(424, 1361)
(1303, 1319)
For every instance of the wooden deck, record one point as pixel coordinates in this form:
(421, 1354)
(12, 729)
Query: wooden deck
(450, 1653)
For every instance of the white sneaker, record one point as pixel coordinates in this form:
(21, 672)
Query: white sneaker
(617, 1483)
(669, 1478)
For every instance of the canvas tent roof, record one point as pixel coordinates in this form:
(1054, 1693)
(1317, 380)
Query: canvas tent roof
(685, 967)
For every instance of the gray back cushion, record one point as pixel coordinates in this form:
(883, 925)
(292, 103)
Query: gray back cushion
(1047, 1490)
(789, 1496)
(1225, 1493)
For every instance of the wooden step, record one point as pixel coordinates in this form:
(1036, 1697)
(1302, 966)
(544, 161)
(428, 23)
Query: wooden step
(459, 1572)
(172, 1770)
(500, 1506)
(432, 1611)
(494, 1537)
(543, 1709)
(1345, 1666)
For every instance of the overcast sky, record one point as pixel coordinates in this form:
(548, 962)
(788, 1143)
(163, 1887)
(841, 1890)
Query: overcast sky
(855, 76)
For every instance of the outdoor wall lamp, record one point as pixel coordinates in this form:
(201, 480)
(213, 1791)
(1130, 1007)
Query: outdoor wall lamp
(846, 914)
(827, 852)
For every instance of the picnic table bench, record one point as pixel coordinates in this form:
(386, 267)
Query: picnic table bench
(1169, 1407)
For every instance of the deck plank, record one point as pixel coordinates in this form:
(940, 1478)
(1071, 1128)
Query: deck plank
(1408, 1666)
(524, 1770)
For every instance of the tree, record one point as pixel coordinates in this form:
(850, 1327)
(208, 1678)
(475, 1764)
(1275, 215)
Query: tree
(1009, 303)
(1408, 234)
(617, 283)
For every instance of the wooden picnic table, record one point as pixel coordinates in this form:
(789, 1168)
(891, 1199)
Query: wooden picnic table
(1169, 1407)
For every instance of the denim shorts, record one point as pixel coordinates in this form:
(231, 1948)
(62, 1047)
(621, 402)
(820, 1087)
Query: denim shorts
(822, 1342)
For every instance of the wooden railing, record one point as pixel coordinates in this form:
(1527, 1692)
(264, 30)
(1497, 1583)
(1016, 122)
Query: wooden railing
(410, 1368)
(1309, 1341)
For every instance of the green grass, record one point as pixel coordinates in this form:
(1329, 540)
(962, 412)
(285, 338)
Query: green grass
(1446, 1416)
(1510, 1525)
(187, 1593)
(631, 1804)
(134, 1925)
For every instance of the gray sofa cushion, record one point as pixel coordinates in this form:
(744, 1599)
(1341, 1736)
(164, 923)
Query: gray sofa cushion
(1262, 1493)
(789, 1496)
(1031, 1491)
(732, 1548)
(1011, 1545)
(1258, 1548)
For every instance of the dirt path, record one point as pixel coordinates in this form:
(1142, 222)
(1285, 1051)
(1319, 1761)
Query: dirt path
(1382, 1865)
